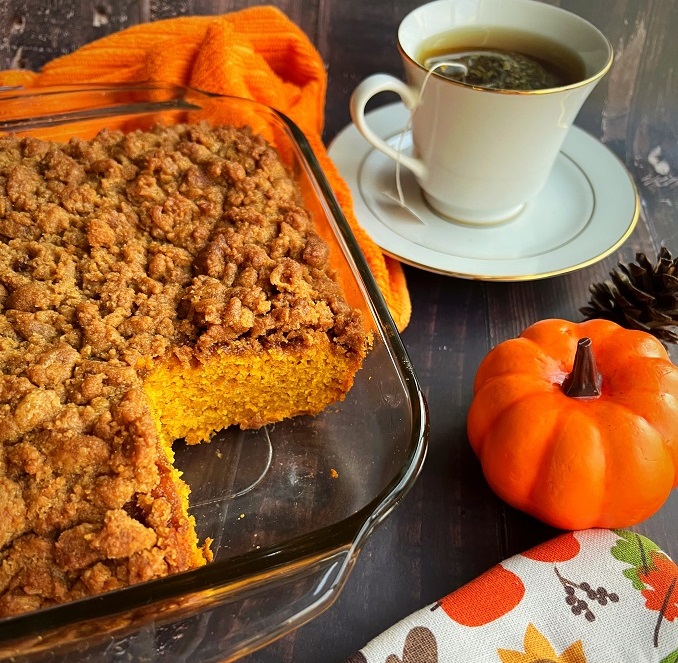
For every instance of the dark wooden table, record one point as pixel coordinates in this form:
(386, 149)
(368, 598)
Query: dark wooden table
(450, 527)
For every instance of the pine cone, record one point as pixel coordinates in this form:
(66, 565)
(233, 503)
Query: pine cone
(640, 296)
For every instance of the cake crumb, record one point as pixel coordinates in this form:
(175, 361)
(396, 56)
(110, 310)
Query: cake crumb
(333, 473)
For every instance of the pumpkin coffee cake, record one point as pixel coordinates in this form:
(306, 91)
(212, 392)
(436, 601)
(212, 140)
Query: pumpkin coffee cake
(154, 285)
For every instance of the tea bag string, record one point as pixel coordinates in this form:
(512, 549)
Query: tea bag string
(408, 124)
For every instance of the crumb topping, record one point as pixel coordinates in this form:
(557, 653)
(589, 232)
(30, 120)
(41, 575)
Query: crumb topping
(114, 252)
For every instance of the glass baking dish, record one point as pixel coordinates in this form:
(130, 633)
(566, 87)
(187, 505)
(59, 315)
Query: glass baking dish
(289, 505)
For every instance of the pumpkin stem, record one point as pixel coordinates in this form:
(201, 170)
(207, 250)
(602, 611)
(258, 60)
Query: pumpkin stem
(585, 380)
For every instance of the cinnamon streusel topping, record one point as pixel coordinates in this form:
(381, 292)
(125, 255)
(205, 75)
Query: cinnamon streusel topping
(115, 252)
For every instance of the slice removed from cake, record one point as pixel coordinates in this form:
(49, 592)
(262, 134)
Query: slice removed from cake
(153, 285)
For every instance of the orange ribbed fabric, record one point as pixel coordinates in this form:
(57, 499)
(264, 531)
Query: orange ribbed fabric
(255, 53)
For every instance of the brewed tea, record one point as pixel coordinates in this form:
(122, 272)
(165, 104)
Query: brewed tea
(502, 59)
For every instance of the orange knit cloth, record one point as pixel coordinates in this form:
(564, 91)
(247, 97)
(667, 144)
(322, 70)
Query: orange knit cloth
(255, 53)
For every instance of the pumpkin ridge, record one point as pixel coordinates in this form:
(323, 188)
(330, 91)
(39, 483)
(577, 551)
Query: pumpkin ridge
(578, 493)
(500, 361)
(628, 407)
(487, 397)
(641, 340)
(636, 481)
(653, 409)
(517, 452)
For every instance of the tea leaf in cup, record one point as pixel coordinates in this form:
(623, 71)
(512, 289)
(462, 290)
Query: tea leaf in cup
(495, 69)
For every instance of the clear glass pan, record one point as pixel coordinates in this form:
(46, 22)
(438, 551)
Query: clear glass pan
(288, 506)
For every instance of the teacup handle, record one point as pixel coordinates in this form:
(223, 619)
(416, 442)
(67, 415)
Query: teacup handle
(363, 93)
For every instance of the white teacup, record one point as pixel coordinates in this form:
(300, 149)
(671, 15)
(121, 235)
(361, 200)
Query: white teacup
(481, 154)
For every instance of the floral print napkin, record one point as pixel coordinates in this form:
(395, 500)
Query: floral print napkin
(592, 596)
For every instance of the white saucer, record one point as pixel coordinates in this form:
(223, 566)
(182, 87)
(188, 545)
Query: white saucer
(587, 209)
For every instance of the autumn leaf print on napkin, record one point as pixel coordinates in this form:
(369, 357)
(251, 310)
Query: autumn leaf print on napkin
(653, 574)
(539, 650)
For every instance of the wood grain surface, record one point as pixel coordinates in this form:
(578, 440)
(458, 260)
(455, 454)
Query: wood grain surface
(450, 527)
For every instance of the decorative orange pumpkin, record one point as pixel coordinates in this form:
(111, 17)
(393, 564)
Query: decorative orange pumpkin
(581, 442)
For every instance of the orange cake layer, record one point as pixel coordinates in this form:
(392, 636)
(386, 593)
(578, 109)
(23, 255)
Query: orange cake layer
(153, 285)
